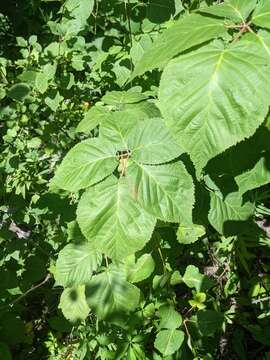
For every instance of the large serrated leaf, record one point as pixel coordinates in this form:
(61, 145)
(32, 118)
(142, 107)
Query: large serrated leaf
(261, 15)
(109, 216)
(235, 10)
(151, 143)
(109, 294)
(166, 191)
(184, 34)
(87, 163)
(76, 263)
(73, 304)
(205, 97)
(227, 214)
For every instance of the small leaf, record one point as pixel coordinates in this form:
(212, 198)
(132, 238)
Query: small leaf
(122, 97)
(188, 234)
(92, 119)
(139, 270)
(18, 91)
(53, 100)
(41, 83)
(73, 304)
(170, 319)
(194, 279)
(169, 341)
(76, 263)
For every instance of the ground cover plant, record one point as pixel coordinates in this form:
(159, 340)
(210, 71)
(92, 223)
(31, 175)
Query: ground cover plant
(135, 171)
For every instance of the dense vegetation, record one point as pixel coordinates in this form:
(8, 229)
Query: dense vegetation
(135, 163)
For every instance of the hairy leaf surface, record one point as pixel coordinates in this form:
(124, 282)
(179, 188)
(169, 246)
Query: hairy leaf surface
(87, 163)
(261, 15)
(205, 98)
(166, 191)
(235, 10)
(76, 263)
(184, 34)
(109, 217)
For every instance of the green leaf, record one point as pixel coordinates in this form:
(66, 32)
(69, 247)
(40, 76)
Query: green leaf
(53, 100)
(80, 9)
(166, 191)
(85, 164)
(258, 176)
(41, 83)
(188, 234)
(209, 321)
(76, 263)
(108, 215)
(5, 352)
(109, 294)
(225, 214)
(122, 97)
(235, 10)
(170, 319)
(159, 11)
(73, 304)
(186, 33)
(92, 119)
(194, 279)
(28, 77)
(139, 270)
(212, 112)
(151, 143)
(261, 15)
(169, 341)
(18, 91)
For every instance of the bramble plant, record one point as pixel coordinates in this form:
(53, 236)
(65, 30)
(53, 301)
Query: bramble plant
(135, 169)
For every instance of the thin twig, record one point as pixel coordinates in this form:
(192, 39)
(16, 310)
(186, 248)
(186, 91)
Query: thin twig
(47, 278)
(257, 301)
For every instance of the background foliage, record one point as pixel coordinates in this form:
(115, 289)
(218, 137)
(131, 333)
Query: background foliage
(86, 271)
